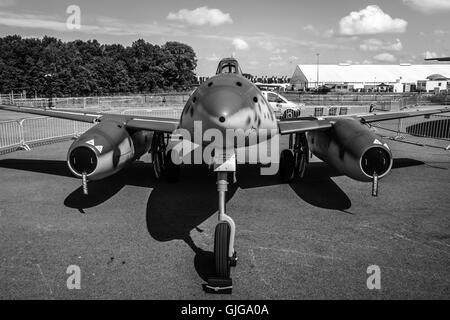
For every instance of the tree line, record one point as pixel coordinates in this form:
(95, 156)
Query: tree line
(49, 66)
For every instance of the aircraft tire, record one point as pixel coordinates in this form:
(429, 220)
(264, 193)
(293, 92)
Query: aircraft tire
(287, 166)
(301, 166)
(157, 151)
(221, 246)
(158, 164)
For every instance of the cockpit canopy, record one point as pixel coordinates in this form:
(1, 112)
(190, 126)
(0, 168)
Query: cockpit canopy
(229, 65)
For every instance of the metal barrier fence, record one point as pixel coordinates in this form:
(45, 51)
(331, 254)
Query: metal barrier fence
(407, 99)
(24, 133)
(434, 126)
(322, 111)
(11, 134)
(174, 113)
(156, 100)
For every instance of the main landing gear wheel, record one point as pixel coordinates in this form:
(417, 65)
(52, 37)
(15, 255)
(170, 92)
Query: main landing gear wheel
(301, 152)
(293, 161)
(301, 160)
(172, 170)
(287, 166)
(221, 247)
(158, 150)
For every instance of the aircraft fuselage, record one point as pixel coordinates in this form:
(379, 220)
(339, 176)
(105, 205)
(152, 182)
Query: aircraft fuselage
(229, 102)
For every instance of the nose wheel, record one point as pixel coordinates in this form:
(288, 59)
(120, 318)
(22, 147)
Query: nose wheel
(221, 248)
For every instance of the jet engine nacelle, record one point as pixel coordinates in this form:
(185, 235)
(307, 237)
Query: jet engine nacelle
(105, 149)
(353, 149)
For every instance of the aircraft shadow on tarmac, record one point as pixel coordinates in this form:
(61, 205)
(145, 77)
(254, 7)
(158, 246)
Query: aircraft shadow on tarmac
(175, 209)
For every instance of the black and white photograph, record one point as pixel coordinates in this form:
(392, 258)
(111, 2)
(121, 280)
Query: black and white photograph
(224, 155)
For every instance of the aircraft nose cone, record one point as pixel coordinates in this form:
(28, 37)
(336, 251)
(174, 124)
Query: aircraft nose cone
(221, 103)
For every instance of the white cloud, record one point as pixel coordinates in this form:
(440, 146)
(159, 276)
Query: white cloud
(201, 16)
(371, 20)
(440, 32)
(31, 21)
(325, 34)
(277, 64)
(385, 57)
(7, 3)
(430, 55)
(266, 44)
(102, 25)
(240, 44)
(271, 42)
(276, 58)
(212, 58)
(429, 6)
(280, 50)
(328, 33)
(377, 45)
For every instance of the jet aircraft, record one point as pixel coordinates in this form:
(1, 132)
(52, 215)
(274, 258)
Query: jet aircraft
(229, 101)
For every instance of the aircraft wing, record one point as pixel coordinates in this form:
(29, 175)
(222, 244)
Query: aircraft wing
(323, 123)
(134, 122)
(439, 59)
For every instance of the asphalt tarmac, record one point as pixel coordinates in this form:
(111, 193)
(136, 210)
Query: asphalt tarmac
(136, 238)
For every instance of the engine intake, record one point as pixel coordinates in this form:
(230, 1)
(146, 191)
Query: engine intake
(83, 160)
(376, 160)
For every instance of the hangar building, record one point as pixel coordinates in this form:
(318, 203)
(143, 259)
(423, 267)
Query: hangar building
(395, 78)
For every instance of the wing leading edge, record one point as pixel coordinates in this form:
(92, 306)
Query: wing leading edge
(323, 123)
(133, 122)
(170, 125)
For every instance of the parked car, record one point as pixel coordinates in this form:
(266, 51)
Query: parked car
(282, 107)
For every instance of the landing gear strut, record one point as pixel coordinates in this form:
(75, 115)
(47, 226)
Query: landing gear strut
(375, 185)
(158, 151)
(163, 166)
(224, 254)
(85, 184)
(293, 161)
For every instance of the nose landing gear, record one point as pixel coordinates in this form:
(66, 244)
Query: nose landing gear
(224, 254)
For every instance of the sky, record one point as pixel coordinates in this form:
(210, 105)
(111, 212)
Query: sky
(267, 37)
